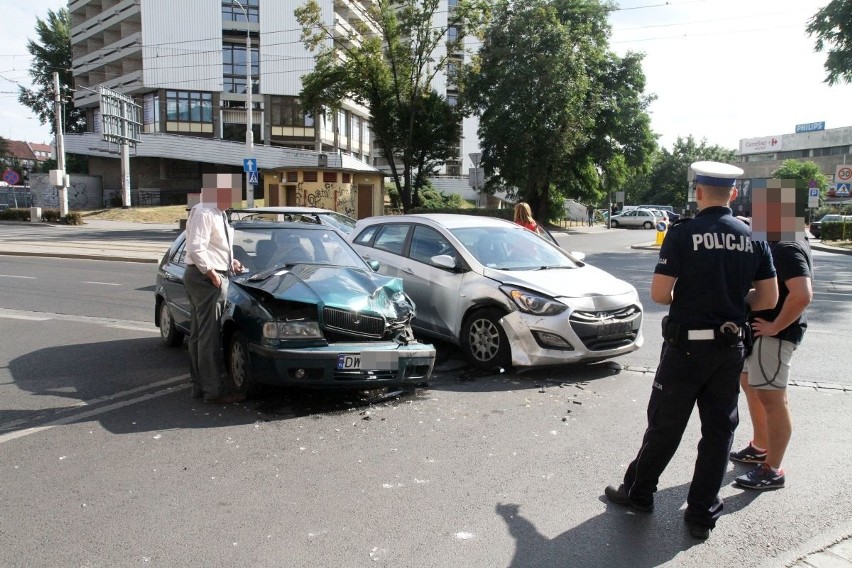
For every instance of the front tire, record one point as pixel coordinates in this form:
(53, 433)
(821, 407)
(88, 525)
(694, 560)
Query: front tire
(614, 224)
(239, 365)
(483, 340)
(170, 335)
(648, 225)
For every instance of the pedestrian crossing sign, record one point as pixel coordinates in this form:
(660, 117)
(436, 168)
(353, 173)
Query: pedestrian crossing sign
(252, 178)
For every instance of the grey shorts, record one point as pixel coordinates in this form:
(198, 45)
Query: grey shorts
(768, 366)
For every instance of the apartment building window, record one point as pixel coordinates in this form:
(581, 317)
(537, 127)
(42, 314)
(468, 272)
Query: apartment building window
(189, 106)
(233, 13)
(453, 34)
(342, 123)
(452, 72)
(234, 68)
(452, 100)
(286, 111)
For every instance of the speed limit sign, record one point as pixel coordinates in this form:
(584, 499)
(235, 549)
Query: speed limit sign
(843, 174)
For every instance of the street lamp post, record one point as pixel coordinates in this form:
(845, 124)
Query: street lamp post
(249, 109)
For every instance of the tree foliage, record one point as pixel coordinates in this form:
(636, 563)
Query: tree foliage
(804, 172)
(666, 183)
(52, 54)
(388, 66)
(832, 26)
(558, 111)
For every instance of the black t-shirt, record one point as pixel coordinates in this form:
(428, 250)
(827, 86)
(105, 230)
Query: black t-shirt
(715, 263)
(792, 260)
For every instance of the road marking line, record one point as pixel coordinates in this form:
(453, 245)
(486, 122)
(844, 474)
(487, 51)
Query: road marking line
(108, 322)
(103, 283)
(17, 276)
(77, 416)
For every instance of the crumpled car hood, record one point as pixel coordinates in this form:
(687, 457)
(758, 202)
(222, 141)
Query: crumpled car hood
(334, 286)
(580, 282)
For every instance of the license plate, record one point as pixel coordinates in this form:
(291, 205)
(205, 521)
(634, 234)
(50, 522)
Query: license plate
(350, 362)
(614, 329)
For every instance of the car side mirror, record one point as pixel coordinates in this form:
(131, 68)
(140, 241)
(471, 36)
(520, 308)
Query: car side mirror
(374, 264)
(444, 261)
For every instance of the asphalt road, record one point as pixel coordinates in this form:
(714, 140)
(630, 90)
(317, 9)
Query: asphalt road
(108, 462)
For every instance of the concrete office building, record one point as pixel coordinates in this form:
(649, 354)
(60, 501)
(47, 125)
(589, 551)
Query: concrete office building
(830, 149)
(185, 64)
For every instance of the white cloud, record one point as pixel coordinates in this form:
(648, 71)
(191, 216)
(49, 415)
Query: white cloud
(730, 69)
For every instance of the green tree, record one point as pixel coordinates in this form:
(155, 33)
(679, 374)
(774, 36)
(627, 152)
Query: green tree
(53, 53)
(804, 173)
(832, 26)
(389, 67)
(560, 115)
(666, 183)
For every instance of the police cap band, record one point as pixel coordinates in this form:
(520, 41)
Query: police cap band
(716, 174)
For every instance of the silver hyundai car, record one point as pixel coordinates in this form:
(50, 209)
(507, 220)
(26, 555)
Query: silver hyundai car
(503, 294)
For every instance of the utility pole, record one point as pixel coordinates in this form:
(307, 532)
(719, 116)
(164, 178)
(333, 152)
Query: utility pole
(249, 109)
(58, 177)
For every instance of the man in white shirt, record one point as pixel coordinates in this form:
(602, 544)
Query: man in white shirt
(209, 257)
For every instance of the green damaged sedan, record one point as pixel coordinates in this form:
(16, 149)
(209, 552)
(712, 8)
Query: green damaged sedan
(307, 311)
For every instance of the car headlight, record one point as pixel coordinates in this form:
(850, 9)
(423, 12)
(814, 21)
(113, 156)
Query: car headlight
(534, 303)
(291, 330)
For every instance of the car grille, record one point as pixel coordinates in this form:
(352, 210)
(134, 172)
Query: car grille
(354, 323)
(600, 331)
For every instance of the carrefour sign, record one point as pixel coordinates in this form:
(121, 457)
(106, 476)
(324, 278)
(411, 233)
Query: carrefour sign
(810, 127)
(760, 145)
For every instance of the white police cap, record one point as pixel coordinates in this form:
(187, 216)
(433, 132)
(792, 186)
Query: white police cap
(716, 173)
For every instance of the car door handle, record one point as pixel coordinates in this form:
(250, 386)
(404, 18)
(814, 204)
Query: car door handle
(408, 270)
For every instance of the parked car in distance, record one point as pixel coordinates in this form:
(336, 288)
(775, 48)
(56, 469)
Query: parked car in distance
(667, 209)
(503, 294)
(635, 218)
(308, 311)
(316, 215)
(816, 227)
(660, 214)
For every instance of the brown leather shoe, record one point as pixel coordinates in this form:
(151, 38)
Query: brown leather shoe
(226, 398)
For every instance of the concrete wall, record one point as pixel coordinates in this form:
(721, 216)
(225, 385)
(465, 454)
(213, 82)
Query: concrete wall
(84, 193)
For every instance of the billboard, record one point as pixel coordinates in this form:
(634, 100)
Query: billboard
(760, 145)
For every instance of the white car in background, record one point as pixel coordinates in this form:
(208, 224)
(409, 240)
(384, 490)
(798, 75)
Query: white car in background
(643, 218)
(503, 294)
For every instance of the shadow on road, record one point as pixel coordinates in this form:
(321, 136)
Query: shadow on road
(616, 537)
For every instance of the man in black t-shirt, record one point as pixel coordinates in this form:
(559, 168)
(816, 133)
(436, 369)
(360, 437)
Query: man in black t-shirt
(777, 334)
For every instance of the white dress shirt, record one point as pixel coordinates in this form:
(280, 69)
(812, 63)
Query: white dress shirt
(208, 246)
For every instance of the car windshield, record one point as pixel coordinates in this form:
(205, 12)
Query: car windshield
(830, 218)
(507, 248)
(341, 222)
(263, 248)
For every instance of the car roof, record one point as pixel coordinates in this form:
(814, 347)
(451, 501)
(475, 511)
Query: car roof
(447, 220)
(288, 209)
(279, 225)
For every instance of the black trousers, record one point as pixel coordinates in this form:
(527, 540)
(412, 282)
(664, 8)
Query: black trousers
(706, 374)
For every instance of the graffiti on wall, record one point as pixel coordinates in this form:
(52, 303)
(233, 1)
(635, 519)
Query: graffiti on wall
(85, 192)
(329, 196)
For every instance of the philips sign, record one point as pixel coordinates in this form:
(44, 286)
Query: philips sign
(810, 127)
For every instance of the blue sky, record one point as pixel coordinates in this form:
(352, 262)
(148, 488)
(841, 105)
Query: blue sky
(721, 69)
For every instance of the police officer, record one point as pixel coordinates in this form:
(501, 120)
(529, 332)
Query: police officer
(706, 267)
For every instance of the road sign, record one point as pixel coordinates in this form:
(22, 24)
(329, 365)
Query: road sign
(11, 177)
(842, 189)
(843, 174)
(813, 192)
(250, 165)
(252, 178)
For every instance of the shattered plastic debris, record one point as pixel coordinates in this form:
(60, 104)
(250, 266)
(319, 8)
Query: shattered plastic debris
(464, 535)
(576, 402)
(158, 436)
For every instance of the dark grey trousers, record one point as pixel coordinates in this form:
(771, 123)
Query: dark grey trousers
(206, 303)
